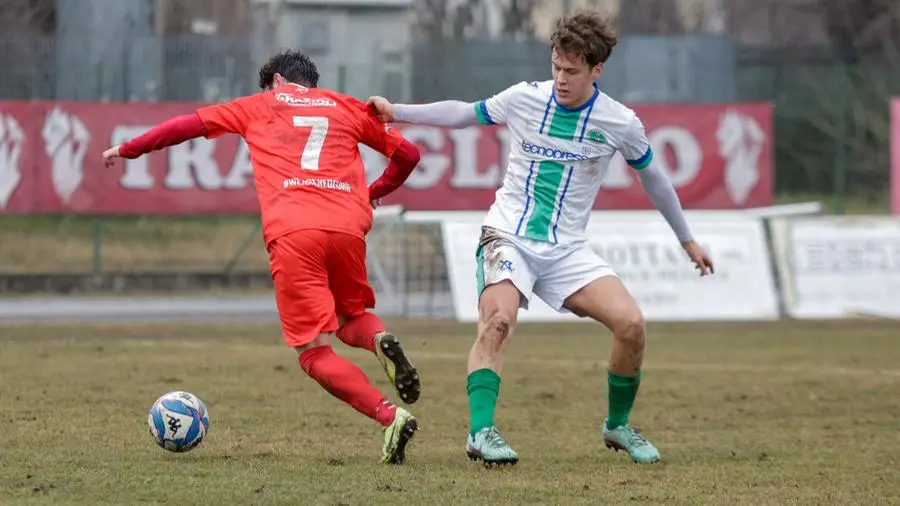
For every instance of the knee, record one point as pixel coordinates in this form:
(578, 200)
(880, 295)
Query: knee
(320, 340)
(631, 331)
(496, 328)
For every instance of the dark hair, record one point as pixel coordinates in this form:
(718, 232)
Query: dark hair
(294, 66)
(585, 34)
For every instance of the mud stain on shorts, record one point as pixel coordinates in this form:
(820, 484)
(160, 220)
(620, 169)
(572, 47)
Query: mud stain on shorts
(490, 242)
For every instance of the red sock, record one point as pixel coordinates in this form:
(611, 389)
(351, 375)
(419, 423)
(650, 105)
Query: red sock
(385, 412)
(360, 331)
(347, 382)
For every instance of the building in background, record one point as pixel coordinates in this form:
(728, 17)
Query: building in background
(361, 47)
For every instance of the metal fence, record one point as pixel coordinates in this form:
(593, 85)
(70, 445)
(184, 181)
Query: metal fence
(185, 67)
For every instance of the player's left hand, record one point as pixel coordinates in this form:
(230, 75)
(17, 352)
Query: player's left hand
(699, 256)
(375, 203)
(111, 155)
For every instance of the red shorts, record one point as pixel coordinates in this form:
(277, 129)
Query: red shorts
(319, 276)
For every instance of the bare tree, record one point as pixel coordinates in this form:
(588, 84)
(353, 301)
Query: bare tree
(27, 17)
(466, 19)
(650, 17)
(430, 18)
(860, 28)
(835, 111)
(518, 18)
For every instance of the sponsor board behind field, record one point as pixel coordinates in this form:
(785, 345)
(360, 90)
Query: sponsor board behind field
(839, 266)
(643, 251)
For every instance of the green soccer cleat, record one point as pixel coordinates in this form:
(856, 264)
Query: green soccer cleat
(631, 441)
(489, 446)
(397, 435)
(400, 371)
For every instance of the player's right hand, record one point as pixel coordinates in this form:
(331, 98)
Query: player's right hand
(699, 257)
(110, 156)
(384, 110)
(375, 203)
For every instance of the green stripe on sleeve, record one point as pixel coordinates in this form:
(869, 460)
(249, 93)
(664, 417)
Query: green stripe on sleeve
(642, 162)
(479, 269)
(482, 119)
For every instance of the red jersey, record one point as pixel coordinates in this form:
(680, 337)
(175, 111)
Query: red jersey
(304, 148)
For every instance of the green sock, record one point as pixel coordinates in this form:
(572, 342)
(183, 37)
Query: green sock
(622, 391)
(483, 387)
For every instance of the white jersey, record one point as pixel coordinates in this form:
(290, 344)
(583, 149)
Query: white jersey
(558, 158)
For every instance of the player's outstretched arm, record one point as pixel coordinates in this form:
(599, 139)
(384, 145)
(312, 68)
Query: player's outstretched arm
(401, 165)
(168, 133)
(662, 193)
(447, 113)
(638, 153)
(452, 113)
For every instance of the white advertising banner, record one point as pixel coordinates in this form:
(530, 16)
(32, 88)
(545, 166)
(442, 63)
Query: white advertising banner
(839, 267)
(647, 257)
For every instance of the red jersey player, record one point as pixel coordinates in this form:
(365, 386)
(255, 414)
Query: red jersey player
(316, 211)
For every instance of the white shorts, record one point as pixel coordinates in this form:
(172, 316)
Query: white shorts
(551, 271)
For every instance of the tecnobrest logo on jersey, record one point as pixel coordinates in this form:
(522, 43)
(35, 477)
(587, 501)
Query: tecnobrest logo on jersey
(551, 153)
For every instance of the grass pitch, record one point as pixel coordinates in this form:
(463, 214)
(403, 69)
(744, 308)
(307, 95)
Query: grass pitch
(781, 413)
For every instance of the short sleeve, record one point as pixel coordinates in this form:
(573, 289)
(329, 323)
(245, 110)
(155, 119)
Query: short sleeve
(378, 136)
(494, 110)
(228, 118)
(635, 146)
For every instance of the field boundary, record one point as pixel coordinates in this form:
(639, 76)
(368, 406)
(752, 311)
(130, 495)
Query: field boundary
(129, 282)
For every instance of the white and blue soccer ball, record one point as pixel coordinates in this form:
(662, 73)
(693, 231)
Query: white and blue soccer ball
(178, 421)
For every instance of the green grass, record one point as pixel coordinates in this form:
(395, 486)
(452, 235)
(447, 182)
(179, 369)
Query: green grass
(743, 414)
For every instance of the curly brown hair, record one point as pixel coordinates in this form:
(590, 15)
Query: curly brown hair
(585, 34)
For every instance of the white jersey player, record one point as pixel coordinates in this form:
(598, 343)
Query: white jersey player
(563, 135)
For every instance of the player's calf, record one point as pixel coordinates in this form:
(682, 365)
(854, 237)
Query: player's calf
(342, 379)
(494, 333)
(497, 309)
(360, 331)
(629, 341)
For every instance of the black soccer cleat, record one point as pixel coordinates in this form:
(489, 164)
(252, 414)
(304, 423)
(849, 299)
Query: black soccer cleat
(400, 371)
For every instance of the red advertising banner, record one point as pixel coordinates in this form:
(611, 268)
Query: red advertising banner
(895, 156)
(718, 157)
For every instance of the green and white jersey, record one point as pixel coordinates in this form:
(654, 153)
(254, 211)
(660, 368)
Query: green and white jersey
(558, 158)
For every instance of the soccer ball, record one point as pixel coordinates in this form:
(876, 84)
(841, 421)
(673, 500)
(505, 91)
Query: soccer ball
(178, 421)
